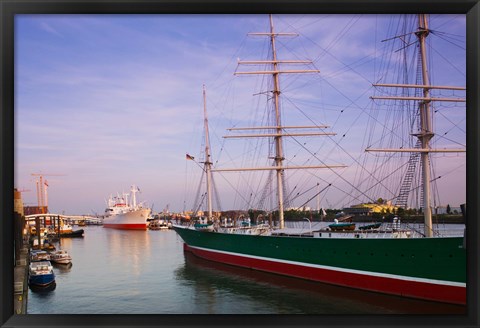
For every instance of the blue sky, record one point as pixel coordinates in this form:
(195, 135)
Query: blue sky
(106, 101)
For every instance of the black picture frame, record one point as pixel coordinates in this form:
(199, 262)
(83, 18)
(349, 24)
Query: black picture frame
(10, 8)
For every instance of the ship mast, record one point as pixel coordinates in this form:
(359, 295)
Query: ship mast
(280, 131)
(426, 126)
(208, 163)
(278, 139)
(425, 133)
(134, 196)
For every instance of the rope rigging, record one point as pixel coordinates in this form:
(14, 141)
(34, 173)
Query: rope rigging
(389, 176)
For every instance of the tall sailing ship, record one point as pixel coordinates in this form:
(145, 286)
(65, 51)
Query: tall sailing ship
(122, 214)
(394, 260)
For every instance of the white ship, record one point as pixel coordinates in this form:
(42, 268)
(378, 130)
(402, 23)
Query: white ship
(120, 214)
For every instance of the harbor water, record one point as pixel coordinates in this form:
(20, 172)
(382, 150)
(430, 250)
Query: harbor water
(147, 272)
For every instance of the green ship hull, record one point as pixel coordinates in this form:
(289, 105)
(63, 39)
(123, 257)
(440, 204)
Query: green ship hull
(425, 268)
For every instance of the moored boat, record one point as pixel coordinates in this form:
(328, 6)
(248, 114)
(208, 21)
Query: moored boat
(41, 274)
(45, 244)
(158, 224)
(427, 268)
(61, 257)
(393, 261)
(120, 214)
(64, 230)
(39, 255)
(72, 234)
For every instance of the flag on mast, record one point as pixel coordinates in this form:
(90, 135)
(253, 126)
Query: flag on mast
(190, 157)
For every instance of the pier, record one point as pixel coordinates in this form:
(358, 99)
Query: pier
(57, 217)
(22, 245)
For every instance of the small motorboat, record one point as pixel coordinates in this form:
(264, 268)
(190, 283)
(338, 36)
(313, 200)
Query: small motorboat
(39, 255)
(41, 274)
(61, 257)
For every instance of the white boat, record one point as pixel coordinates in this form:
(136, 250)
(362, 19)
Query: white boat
(120, 214)
(66, 228)
(39, 255)
(158, 224)
(61, 257)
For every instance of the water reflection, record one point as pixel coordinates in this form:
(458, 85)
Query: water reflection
(147, 272)
(64, 242)
(215, 284)
(129, 246)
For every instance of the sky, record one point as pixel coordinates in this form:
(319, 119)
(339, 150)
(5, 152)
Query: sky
(103, 102)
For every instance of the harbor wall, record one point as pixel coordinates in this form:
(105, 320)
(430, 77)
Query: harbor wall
(21, 257)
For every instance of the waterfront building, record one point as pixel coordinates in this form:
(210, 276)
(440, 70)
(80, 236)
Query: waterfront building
(368, 209)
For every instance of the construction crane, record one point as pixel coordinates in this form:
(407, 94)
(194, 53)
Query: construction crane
(42, 195)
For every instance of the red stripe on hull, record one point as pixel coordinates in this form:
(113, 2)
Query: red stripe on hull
(139, 226)
(415, 289)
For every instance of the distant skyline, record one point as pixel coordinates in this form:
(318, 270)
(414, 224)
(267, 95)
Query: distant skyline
(103, 102)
